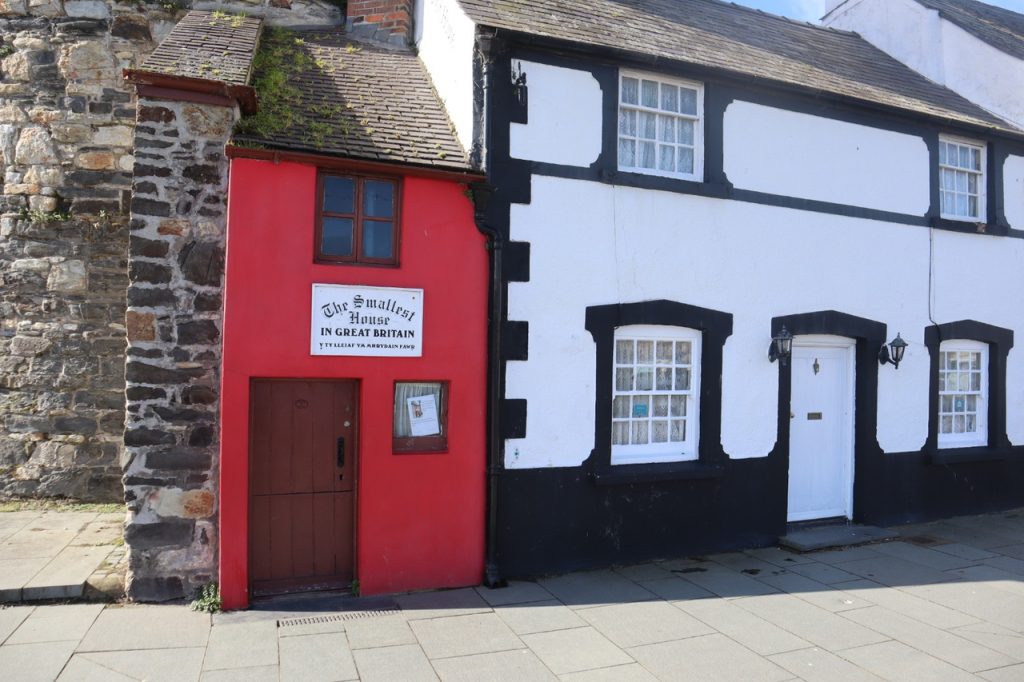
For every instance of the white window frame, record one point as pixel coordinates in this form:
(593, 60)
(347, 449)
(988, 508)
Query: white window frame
(980, 435)
(668, 451)
(958, 169)
(697, 119)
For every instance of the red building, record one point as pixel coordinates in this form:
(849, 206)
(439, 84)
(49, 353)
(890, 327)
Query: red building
(353, 405)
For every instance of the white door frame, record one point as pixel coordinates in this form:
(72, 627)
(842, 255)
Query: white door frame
(847, 425)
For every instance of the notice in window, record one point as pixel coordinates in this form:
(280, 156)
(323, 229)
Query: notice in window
(423, 419)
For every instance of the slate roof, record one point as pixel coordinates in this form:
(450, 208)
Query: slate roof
(208, 45)
(738, 39)
(356, 100)
(1000, 28)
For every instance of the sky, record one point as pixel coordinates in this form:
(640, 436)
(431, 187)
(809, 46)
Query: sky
(812, 10)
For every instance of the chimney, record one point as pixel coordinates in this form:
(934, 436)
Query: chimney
(382, 21)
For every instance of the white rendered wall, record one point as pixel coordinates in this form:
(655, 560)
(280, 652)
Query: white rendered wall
(810, 157)
(444, 38)
(563, 116)
(753, 261)
(940, 50)
(1013, 191)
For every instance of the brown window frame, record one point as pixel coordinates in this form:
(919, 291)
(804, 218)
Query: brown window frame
(358, 220)
(409, 445)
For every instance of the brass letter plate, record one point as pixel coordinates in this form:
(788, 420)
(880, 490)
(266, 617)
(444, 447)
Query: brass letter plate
(814, 416)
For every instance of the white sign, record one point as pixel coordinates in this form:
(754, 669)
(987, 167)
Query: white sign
(423, 419)
(373, 321)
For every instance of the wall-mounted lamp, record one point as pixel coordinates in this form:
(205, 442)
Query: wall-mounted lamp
(781, 346)
(893, 353)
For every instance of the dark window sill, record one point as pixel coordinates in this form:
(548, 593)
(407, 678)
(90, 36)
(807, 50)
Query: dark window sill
(648, 473)
(968, 455)
(969, 226)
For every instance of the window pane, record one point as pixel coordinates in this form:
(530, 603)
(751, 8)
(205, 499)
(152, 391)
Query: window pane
(972, 403)
(667, 158)
(644, 378)
(965, 157)
(639, 433)
(649, 94)
(679, 406)
(378, 199)
(630, 87)
(667, 129)
(620, 407)
(664, 379)
(972, 206)
(685, 160)
(961, 182)
(688, 101)
(648, 126)
(620, 433)
(686, 132)
(624, 351)
(339, 194)
(659, 433)
(641, 406)
(942, 152)
(683, 352)
(972, 184)
(627, 122)
(627, 152)
(946, 425)
(645, 352)
(377, 239)
(337, 237)
(664, 352)
(975, 382)
(961, 205)
(661, 405)
(406, 390)
(682, 380)
(646, 159)
(624, 379)
(947, 404)
(975, 359)
(670, 98)
(678, 430)
(971, 425)
(958, 423)
(976, 159)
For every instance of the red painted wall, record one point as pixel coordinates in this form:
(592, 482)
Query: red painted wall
(420, 518)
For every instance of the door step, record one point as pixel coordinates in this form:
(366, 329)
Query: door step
(811, 538)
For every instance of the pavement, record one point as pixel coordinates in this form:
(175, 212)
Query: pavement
(945, 601)
(51, 554)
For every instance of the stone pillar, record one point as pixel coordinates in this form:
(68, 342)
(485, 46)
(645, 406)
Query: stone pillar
(176, 264)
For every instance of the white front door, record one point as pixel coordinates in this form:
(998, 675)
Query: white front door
(821, 428)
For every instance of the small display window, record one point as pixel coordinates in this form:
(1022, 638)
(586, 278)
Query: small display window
(420, 416)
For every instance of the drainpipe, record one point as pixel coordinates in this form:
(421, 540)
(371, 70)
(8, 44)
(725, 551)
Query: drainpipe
(481, 198)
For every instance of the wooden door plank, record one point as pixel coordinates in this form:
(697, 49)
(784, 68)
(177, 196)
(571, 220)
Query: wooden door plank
(303, 425)
(260, 438)
(281, 434)
(280, 537)
(302, 535)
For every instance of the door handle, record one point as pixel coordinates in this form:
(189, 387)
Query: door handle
(341, 452)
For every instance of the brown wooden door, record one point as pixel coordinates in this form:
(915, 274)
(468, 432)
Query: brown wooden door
(303, 483)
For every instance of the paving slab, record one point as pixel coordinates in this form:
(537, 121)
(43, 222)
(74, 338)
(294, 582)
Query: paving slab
(711, 658)
(784, 558)
(375, 632)
(752, 631)
(839, 535)
(11, 617)
(895, 572)
(818, 665)
(825, 629)
(898, 662)
(31, 662)
(595, 588)
(675, 589)
(629, 625)
(1013, 673)
(568, 651)
(640, 572)
(243, 645)
(966, 551)
(979, 600)
(464, 635)
(80, 669)
(822, 572)
(407, 663)
(503, 666)
(546, 616)
(908, 604)
(64, 577)
(317, 658)
(147, 627)
(267, 673)
(515, 592)
(925, 556)
(813, 592)
(941, 644)
(994, 637)
(14, 573)
(442, 603)
(56, 623)
(632, 672)
(151, 665)
(727, 583)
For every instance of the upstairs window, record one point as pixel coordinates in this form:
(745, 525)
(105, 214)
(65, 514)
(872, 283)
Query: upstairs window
(963, 393)
(357, 220)
(660, 126)
(961, 179)
(655, 394)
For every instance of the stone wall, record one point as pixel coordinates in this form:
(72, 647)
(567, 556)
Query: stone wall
(66, 121)
(174, 322)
